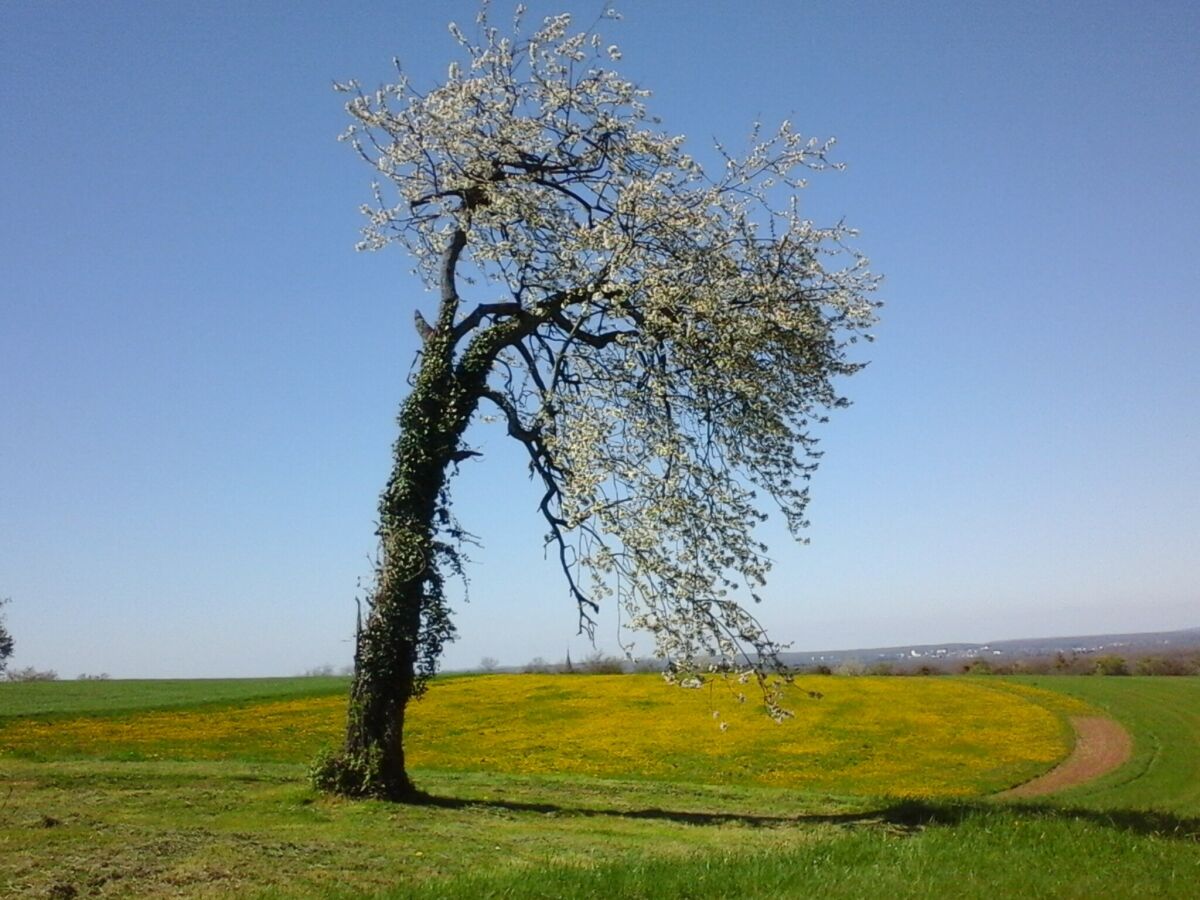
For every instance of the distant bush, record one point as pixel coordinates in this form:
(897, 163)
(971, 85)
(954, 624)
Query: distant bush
(978, 667)
(29, 673)
(489, 664)
(84, 676)
(881, 668)
(1064, 664)
(1110, 665)
(1038, 665)
(1165, 665)
(319, 671)
(599, 663)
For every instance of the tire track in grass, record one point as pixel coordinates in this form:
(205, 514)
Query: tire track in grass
(1101, 745)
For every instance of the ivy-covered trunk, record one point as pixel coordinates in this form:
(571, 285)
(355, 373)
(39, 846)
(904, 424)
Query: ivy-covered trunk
(407, 620)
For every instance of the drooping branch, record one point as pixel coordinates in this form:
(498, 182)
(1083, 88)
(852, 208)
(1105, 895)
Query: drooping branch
(542, 462)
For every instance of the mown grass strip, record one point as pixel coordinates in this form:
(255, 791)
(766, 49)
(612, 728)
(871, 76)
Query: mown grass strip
(1163, 715)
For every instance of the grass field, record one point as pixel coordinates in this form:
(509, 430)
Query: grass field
(101, 795)
(48, 699)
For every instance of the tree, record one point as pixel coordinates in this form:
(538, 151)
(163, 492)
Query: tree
(658, 341)
(6, 641)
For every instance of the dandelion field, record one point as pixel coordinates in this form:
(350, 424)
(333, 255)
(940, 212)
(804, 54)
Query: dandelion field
(861, 736)
(601, 786)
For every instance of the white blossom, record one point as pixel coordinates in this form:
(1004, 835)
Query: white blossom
(674, 334)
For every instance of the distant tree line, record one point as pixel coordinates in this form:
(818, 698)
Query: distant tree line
(1177, 662)
(1182, 662)
(1172, 663)
(596, 663)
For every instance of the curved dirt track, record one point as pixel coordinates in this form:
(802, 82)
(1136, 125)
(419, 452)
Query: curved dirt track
(1100, 746)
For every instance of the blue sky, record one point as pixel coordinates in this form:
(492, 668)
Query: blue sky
(200, 375)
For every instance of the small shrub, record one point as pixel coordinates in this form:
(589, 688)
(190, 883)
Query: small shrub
(1110, 665)
(536, 666)
(29, 673)
(1038, 665)
(599, 663)
(333, 772)
(1067, 665)
(1164, 665)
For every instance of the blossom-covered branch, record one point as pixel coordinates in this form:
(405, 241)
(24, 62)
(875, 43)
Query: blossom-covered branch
(659, 338)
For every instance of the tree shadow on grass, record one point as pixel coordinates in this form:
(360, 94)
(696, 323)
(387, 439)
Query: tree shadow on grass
(684, 817)
(914, 815)
(905, 817)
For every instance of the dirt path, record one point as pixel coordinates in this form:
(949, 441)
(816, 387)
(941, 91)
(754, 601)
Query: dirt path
(1100, 746)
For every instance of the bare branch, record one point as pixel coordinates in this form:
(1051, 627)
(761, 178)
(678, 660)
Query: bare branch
(481, 312)
(450, 299)
(596, 341)
(541, 462)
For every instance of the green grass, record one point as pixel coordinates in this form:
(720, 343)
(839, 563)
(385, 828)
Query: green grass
(1163, 715)
(117, 697)
(236, 828)
(912, 852)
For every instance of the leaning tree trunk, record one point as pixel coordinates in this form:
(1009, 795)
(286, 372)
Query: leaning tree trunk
(407, 601)
(407, 622)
